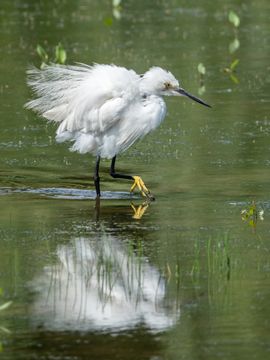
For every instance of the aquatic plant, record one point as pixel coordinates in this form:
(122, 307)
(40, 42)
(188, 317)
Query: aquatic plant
(5, 305)
(3, 329)
(60, 55)
(233, 46)
(213, 258)
(202, 71)
(231, 70)
(218, 257)
(117, 9)
(196, 268)
(116, 12)
(251, 214)
(234, 19)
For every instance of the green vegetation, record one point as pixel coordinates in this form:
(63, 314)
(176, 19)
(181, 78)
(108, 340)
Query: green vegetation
(213, 258)
(231, 70)
(202, 71)
(60, 55)
(251, 214)
(116, 12)
(233, 47)
(3, 307)
(234, 19)
(117, 9)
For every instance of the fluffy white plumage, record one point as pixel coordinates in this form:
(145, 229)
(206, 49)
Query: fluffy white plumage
(104, 109)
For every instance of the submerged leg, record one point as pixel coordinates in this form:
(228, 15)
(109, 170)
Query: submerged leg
(138, 182)
(96, 177)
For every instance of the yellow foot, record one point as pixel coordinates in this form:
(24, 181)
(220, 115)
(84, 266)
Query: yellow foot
(140, 210)
(138, 182)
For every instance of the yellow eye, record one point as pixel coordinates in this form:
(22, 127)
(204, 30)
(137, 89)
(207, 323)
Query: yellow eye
(167, 85)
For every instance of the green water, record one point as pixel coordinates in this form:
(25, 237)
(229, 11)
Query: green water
(190, 279)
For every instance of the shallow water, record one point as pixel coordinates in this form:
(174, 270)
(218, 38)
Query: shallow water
(184, 277)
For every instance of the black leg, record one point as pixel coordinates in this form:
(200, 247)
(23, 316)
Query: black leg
(116, 175)
(96, 177)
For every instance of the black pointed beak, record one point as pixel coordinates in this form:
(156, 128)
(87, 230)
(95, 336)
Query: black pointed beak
(185, 93)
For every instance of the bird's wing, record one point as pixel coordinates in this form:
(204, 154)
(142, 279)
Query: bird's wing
(82, 98)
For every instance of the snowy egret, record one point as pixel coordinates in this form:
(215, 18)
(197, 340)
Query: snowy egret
(103, 109)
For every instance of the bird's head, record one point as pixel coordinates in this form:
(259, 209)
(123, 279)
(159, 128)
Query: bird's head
(157, 81)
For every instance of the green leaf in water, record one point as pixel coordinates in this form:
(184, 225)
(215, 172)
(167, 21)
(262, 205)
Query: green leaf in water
(116, 3)
(5, 330)
(117, 9)
(43, 65)
(231, 71)
(42, 53)
(234, 18)
(251, 214)
(201, 69)
(234, 64)
(201, 90)
(234, 45)
(117, 13)
(261, 213)
(60, 54)
(234, 79)
(5, 305)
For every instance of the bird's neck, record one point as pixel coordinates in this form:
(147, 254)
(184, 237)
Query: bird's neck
(146, 88)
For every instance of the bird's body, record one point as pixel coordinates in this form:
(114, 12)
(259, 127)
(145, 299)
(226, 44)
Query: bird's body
(103, 109)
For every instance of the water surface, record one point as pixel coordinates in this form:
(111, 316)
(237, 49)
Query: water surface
(190, 278)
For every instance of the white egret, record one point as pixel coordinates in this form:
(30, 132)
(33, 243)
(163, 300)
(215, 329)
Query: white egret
(103, 109)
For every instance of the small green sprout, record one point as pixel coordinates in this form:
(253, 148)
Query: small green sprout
(43, 55)
(5, 305)
(201, 90)
(59, 53)
(234, 64)
(201, 69)
(116, 3)
(116, 12)
(231, 70)
(2, 328)
(117, 9)
(252, 214)
(234, 45)
(234, 19)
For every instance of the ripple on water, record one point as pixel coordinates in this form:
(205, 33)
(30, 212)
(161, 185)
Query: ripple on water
(64, 193)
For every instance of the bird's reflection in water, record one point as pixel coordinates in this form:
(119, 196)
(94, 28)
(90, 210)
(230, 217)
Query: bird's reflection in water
(138, 209)
(101, 283)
